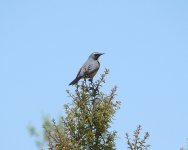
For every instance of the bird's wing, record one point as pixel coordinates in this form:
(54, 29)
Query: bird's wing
(82, 70)
(92, 68)
(78, 74)
(87, 69)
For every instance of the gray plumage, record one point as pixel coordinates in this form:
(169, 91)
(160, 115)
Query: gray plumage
(89, 68)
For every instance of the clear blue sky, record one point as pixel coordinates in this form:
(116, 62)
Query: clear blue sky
(43, 44)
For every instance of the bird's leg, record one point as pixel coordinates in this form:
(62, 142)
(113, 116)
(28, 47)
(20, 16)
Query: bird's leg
(91, 80)
(92, 87)
(91, 83)
(85, 84)
(84, 81)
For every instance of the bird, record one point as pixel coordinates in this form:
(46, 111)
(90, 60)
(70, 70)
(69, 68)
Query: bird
(89, 68)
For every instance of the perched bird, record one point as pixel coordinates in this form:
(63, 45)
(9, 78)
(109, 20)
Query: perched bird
(89, 68)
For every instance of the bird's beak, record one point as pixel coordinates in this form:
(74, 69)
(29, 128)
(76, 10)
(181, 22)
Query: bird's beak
(102, 53)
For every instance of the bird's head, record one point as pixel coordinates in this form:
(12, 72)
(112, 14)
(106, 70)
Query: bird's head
(95, 55)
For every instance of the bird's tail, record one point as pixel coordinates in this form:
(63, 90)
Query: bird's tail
(74, 81)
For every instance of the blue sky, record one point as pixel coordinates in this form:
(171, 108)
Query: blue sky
(43, 44)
